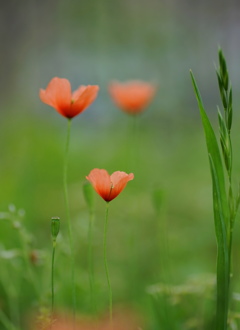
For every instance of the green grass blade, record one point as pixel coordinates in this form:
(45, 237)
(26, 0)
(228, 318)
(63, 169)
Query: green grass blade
(222, 256)
(213, 150)
(221, 214)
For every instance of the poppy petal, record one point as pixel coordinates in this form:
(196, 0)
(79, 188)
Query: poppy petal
(57, 95)
(46, 98)
(133, 96)
(119, 180)
(101, 182)
(76, 94)
(85, 98)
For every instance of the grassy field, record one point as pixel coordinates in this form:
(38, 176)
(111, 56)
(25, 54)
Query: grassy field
(170, 244)
(161, 238)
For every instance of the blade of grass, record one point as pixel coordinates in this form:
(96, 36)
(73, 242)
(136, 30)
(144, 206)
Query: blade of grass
(222, 256)
(213, 150)
(221, 214)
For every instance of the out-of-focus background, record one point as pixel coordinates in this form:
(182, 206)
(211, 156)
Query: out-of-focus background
(94, 42)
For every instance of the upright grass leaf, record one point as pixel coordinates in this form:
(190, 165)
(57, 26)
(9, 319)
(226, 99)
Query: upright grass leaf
(222, 256)
(221, 214)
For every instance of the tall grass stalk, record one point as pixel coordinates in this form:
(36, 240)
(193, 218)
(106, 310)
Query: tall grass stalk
(224, 204)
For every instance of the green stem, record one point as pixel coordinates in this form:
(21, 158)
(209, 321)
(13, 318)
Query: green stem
(65, 168)
(90, 262)
(132, 146)
(53, 255)
(231, 211)
(105, 261)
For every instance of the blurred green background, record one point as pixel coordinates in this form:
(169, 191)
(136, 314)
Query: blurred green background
(94, 42)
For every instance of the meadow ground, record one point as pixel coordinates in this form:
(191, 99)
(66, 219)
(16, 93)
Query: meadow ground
(146, 246)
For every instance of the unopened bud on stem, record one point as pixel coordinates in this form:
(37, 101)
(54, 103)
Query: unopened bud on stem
(55, 227)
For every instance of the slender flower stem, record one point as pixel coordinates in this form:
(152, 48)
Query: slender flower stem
(68, 215)
(53, 255)
(90, 262)
(105, 261)
(133, 136)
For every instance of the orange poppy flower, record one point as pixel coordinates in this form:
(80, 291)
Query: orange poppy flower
(133, 96)
(59, 96)
(108, 186)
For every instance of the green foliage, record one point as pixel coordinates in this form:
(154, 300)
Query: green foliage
(175, 305)
(223, 253)
(225, 90)
(225, 142)
(169, 157)
(221, 215)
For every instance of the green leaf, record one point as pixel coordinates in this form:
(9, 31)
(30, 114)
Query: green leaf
(222, 255)
(221, 214)
(213, 150)
(237, 200)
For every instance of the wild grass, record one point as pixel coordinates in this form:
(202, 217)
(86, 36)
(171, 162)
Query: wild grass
(171, 157)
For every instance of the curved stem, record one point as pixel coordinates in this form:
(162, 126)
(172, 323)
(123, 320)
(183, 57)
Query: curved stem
(65, 168)
(105, 261)
(53, 255)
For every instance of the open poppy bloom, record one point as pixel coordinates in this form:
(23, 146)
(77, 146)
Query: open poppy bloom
(133, 96)
(59, 96)
(108, 186)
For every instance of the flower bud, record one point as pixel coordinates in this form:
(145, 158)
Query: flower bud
(55, 226)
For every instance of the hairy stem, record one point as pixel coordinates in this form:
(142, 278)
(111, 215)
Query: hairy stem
(105, 261)
(65, 168)
(53, 256)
